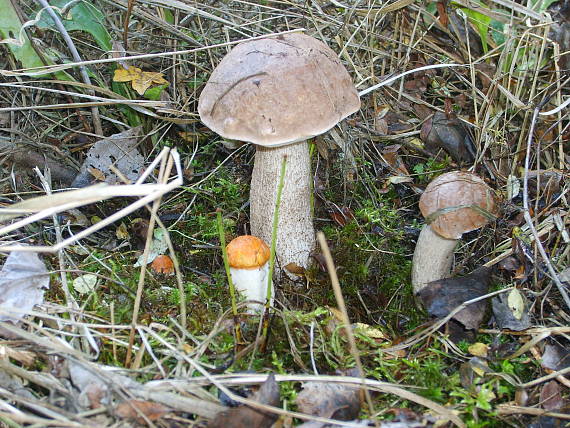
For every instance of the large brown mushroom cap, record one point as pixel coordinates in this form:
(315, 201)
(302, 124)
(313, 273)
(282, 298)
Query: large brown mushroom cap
(277, 91)
(247, 252)
(456, 203)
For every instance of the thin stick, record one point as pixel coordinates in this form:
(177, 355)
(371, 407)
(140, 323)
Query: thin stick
(526, 210)
(77, 58)
(342, 307)
(275, 225)
(163, 177)
(222, 235)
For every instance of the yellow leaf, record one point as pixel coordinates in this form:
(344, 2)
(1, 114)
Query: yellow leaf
(369, 331)
(516, 303)
(140, 80)
(124, 75)
(97, 174)
(155, 77)
(478, 349)
(121, 232)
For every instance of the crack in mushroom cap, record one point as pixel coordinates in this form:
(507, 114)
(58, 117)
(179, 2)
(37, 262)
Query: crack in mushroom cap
(277, 91)
(247, 252)
(459, 202)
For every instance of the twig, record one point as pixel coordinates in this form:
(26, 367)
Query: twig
(526, 210)
(76, 58)
(342, 307)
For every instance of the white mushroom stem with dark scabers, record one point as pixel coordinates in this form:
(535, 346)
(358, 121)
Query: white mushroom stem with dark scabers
(453, 204)
(277, 93)
(248, 257)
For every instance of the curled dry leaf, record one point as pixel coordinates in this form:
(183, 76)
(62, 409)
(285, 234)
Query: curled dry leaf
(134, 409)
(442, 296)
(457, 202)
(23, 279)
(329, 400)
(441, 132)
(247, 417)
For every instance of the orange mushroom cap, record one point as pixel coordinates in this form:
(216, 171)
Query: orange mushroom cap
(247, 252)
(457, 202)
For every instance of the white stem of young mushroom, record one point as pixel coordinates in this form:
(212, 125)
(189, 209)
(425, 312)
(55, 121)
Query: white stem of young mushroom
(295, 232)
(433, 258)
(252, 285)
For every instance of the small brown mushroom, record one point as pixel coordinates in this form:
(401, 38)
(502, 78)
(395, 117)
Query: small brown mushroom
(453, 204)
(277, 93)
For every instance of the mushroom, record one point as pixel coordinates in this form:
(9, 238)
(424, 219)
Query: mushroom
(248, 257)
(453, 204)
(277, 93)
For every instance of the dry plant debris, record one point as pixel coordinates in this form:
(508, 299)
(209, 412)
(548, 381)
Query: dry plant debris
(100, 91)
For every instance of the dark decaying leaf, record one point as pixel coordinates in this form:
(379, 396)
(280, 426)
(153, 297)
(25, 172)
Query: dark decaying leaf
(119, 151)
(555, 357)
(442, 296)
(93, 391)
(329, 400)
(134, 409)
(23, 279)
(248, 417)
(551, 396)
(450, 134)
(506, 318)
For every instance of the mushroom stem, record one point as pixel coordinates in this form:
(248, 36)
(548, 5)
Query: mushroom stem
(252, 285)
(295, 233)
(432, 260)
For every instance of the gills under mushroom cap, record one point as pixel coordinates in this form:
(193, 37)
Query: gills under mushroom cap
(277, 91)
(457, 202)
(247, 252)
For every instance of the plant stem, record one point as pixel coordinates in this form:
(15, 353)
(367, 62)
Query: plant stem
(273, 246)
(222, 235)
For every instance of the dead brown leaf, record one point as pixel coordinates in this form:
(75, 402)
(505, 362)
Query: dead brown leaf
(134, 409)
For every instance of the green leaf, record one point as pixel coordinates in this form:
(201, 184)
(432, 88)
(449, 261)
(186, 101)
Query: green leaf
(17, 41)
(83, 16)
(153, 93)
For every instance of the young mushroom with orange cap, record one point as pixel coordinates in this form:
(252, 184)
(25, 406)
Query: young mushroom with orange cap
(248, 257)
(277, 93)
(453, 204)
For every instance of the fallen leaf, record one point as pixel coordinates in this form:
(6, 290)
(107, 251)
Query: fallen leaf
(93, 392)
(157, 247)
(329, 400)
(504, 316)
(119, 151)
(449, 134)
(23, 279)
(121, 232)
(479, 350)
(249, 417)
(132, 409)
(140, 80)
(516, 303)
(442, 296)
(550, 396)
(85, 283)
(163, 264)
(555, 357)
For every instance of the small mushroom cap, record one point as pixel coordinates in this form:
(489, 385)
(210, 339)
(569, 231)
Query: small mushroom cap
(247, 252)
(277, 91)
(457, 202)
